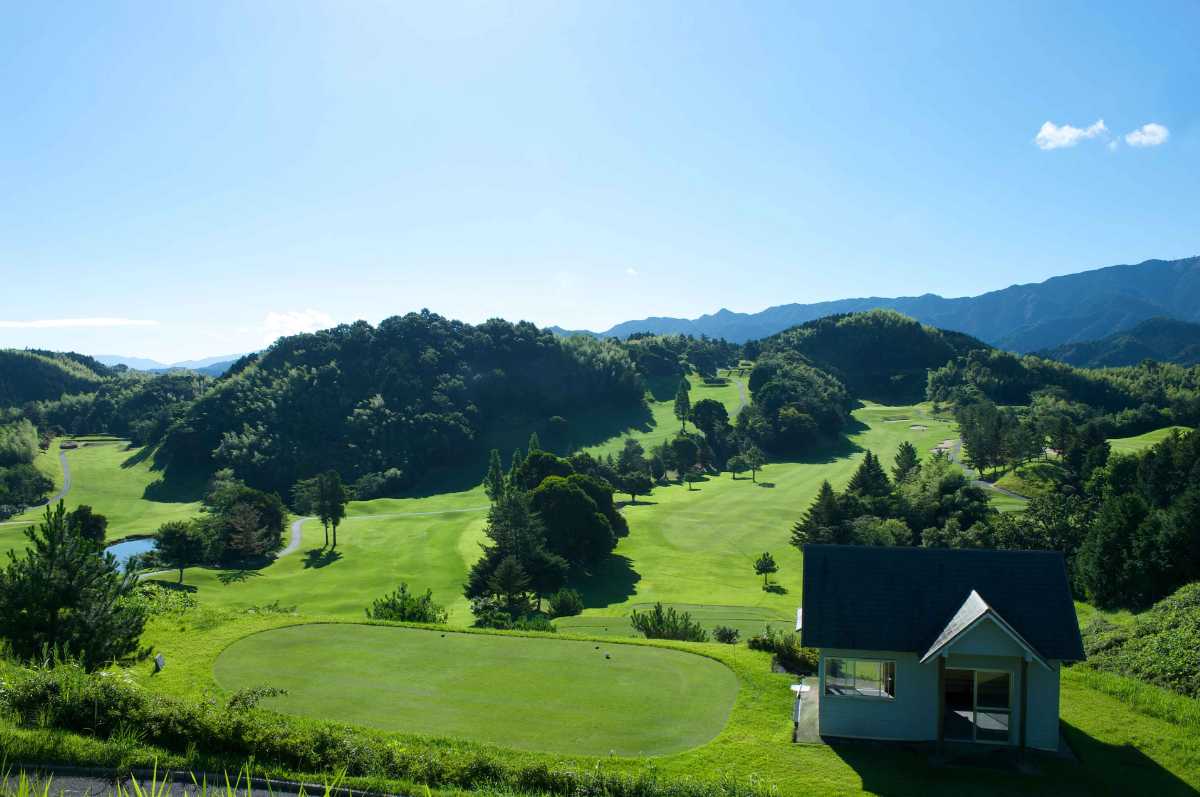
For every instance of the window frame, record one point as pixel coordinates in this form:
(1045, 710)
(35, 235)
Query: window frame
(886, 667)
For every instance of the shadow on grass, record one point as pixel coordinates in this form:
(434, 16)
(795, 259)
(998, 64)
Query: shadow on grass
(612, 581)
(623, 504)
(138, 457)
(173, 585)
(237, 576)
(321, 557)
(893, 769)
(775, 589)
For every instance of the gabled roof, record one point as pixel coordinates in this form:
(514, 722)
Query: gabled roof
(901, 599)
(973, 612)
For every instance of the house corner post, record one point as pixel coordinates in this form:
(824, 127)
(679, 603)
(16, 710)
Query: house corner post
(941, 704)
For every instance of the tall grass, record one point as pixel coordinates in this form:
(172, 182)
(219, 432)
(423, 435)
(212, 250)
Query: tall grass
(1153, 701)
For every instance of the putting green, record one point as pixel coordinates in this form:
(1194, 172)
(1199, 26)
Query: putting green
(531, 693)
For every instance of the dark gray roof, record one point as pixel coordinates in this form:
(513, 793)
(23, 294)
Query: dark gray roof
(901, 599)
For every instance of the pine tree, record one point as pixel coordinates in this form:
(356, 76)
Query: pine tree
(517, 460)
(907, 461)
(510, 583)
(493, 482)
(821, 521)
(870, 480)
(765, 566)
(534, 443)
(683, 404)
(60, 596)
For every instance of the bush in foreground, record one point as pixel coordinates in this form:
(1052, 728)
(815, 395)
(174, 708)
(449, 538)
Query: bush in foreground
(788, 652)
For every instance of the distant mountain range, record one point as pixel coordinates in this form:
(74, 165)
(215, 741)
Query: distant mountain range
(1162, 339)
(1023, 318)
(212, 366)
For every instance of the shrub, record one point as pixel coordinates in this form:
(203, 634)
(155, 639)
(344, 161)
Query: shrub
(1161, 646)
(387, 484)
(565, 603)
(489, 613)
(660, 623)
(788, 652)
(726, 635)
(401, 606)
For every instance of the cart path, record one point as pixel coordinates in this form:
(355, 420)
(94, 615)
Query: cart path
(973, 477)
(297, 524)
(54, 499)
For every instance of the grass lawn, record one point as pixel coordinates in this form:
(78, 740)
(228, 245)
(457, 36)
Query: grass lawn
(693, 547)
(748, 620)
(1131, 445)
(1121, 749)
(1033, 479)
(111, 477)
(544, 694)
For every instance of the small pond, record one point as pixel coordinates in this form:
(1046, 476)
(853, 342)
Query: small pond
(130, 548)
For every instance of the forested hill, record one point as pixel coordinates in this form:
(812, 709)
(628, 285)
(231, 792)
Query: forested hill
(416, 392)
(35, 375)
(1162, 339)
(1023, 318)
(879, 355)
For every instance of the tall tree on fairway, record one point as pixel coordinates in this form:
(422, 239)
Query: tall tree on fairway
(821, 520)
(754, 459)
(683, 404)
(765, 566)
(60, 596)
(88, 524)
(331, 502)
(493, 482)
(181, 543)
(906, 461)
(869, 480)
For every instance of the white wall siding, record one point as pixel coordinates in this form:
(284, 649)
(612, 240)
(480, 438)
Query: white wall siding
(910, 716)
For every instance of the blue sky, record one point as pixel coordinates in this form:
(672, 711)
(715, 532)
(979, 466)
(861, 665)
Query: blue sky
(224, 173)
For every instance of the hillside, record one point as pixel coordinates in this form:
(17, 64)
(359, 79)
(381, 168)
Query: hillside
(1162, 339)
(35, 375)
(1024, 318)
(879, 355)
(414, 393)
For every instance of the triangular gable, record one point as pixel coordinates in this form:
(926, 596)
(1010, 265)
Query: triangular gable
(974, 611)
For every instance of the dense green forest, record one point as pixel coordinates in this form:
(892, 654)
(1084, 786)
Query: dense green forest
(1163, 339)
(21, 484)
(878, 355)
(416, 392)
(35, 375)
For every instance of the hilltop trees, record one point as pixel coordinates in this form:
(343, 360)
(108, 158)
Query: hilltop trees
(59, 596)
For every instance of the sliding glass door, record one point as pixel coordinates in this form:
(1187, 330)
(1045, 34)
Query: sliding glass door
(978, 705)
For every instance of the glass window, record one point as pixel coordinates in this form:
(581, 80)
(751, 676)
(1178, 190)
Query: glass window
(860, 677)
(993, 691)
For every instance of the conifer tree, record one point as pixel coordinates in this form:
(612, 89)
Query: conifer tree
(906, 462)
(820, 521)
(493, 482)
(683, 404)
(869, 480)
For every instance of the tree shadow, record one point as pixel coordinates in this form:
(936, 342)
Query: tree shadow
(138, 457)
(775, 589)
(612, 581)
(321, 557)
(237, 576)
(768, 485)
(173, 585)
(639, 502)
(890, 768)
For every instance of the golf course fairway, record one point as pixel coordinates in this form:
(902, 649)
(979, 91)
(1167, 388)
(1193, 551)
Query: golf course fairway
(531, 693)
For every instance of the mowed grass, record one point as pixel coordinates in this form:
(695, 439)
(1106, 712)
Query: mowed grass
(111, 477)
(746, 620)
(429, 543)
(690, 548)
(535, 693)
(1132, 445)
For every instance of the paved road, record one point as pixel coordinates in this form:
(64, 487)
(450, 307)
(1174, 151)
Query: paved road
(297, 524)
(742, 393)
(72, 782)
(956, 457)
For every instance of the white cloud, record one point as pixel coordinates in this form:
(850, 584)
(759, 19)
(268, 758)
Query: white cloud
(293, 322)
(1148, 135)
(631, 271)
(1053, 136)
(65, 323)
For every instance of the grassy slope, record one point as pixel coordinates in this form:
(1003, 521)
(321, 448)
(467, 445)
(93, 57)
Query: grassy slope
(531, 694)
(1131, 445)
(1033, 479)
(112, 478)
